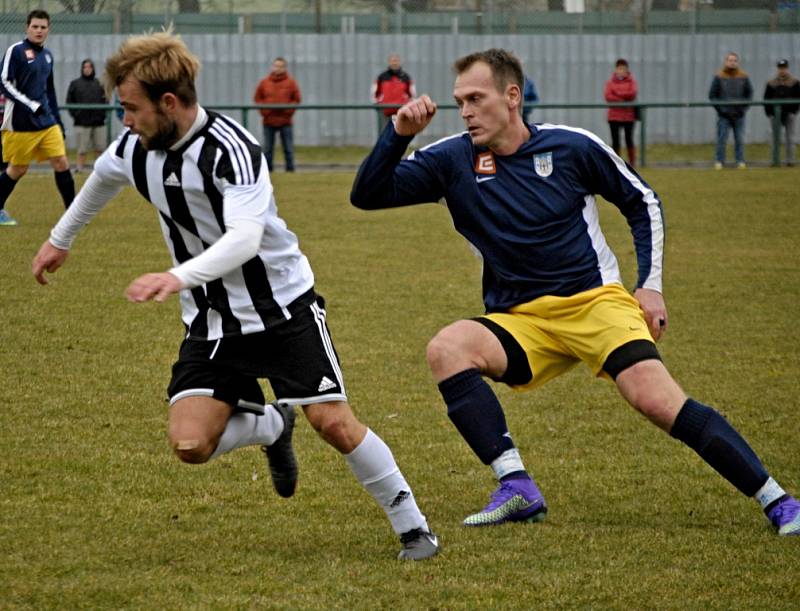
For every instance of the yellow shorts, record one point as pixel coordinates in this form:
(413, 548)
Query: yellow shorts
(556, 333)
(20, 148)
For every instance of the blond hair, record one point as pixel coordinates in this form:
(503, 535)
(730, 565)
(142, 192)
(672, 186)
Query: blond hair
(161, 62)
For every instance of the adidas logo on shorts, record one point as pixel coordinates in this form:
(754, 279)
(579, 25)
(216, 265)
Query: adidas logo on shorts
(325, 384)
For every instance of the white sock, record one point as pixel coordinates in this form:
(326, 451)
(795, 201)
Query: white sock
(373, 465)
(247, 429)
(768, 493)
(508, 462)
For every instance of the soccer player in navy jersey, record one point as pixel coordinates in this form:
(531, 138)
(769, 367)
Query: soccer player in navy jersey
(246, 289)
(31, 128)
(524, 197)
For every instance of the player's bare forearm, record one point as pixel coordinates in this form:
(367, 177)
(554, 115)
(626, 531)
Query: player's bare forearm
(414, 116)
(156, 287)
(655, 311)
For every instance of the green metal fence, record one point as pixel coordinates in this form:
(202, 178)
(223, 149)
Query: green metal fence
(786, 19)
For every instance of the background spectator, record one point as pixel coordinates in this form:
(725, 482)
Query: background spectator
(89, 123)
(3, 164)
(393, 86)
(730, 83)
(784, 87)
(278, 88)
(119, 111)
(622, 87)
(529, 98)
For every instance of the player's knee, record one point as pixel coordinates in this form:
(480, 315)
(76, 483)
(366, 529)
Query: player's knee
(192, 451)
(17, 171)
(441, 350)
(332, 427)
(659, 407)
(336, 424)
(60, 164)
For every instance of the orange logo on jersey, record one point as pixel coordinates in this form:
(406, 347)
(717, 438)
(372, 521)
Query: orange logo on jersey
(484, 164)
(30, 55)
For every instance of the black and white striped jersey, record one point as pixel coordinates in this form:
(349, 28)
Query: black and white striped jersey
(217, 176)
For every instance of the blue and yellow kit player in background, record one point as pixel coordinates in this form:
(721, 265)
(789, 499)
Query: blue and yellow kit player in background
(524, 197)
(32, 128)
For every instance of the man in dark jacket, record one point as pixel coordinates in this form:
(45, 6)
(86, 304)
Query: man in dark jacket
(730, 83)
(89, 123)
(783, 87)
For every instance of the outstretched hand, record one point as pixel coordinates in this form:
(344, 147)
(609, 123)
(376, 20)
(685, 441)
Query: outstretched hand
(655, 311)
(48, 259)
(156, 286)
(414, 116)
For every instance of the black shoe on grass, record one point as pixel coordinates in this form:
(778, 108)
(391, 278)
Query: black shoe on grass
(280, 455)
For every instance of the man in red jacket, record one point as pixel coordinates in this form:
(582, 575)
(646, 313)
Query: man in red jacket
(278, 88)
(393, 86)
(621, 87)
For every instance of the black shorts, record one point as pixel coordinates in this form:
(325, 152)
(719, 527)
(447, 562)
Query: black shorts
(297, 357)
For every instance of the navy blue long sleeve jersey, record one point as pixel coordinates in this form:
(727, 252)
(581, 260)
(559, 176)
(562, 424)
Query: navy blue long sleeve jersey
(532, 215)
(26, 77)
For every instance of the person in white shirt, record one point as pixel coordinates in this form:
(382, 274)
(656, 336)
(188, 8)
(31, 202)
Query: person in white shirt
(246, 289)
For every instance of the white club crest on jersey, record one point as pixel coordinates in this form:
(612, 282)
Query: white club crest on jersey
(325, 384)
(543, 164)
(172, 181)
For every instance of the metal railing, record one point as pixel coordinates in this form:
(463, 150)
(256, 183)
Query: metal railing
(642, 107)
(706, 18)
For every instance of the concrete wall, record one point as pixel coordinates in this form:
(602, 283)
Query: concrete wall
(566, 68)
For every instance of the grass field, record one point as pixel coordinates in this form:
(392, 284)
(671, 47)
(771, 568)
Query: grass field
(96, 513)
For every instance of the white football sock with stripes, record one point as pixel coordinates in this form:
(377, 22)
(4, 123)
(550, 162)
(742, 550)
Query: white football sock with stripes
(247, 429)
(373, 465)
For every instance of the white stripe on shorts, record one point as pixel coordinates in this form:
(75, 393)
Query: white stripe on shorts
(329, 398)
(259, 408)
(192, 392)
(319, 317)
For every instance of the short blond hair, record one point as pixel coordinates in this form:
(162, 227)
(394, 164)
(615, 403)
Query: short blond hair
(161, 62)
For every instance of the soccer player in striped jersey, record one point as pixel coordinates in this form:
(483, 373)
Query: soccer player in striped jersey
(524, 197)
(246, 290)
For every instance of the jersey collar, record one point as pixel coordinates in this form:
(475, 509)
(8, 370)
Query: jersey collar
(199, 123)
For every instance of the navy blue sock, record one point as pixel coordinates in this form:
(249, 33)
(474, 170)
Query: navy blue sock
(7, 185)
(66, 186)
(475, 411)
(705, 431)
